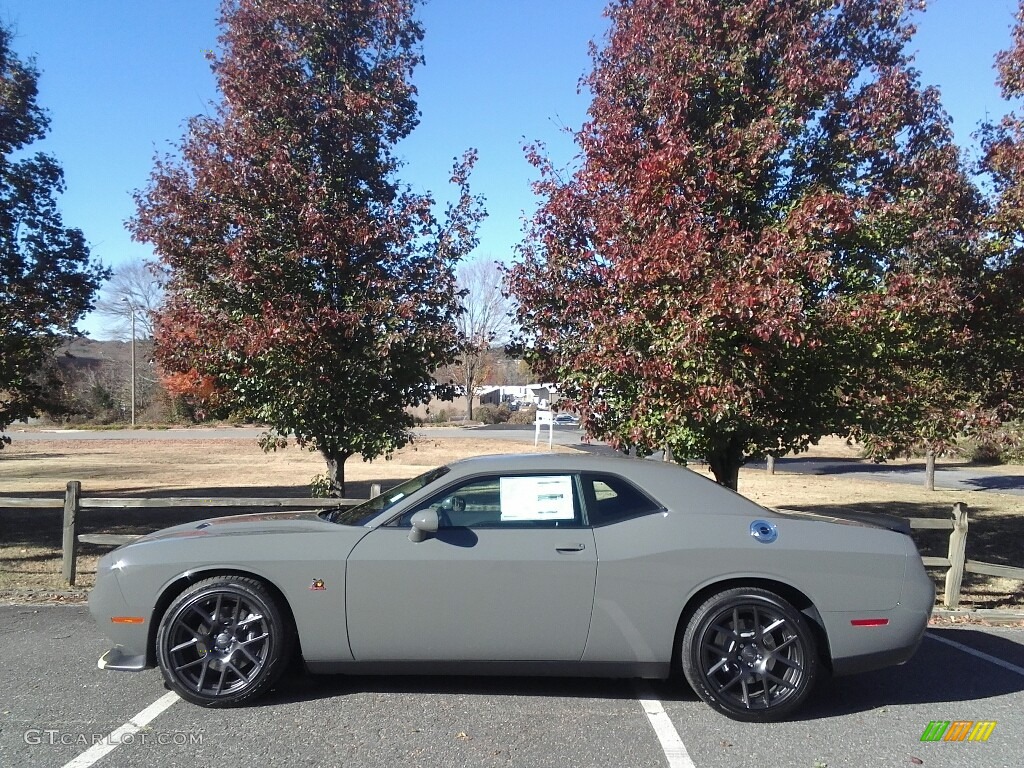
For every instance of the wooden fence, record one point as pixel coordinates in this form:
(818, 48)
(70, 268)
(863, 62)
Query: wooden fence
(955, 562)
(74, 502)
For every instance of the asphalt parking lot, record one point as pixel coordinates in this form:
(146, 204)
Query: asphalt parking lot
(56, 704)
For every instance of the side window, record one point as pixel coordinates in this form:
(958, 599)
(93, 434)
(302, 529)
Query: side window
(611, 499)
(506, 501)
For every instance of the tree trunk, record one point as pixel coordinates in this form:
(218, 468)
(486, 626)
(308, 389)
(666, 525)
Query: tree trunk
(771, 465)
(725, 464)
(929, 471)
(336, 471)
(470, 366)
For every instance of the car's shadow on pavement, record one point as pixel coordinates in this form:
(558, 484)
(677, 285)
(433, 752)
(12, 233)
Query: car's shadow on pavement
(297, 686)
(938, 674)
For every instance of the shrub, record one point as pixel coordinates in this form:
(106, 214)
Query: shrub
(440, 417)
(986, 452)
(320, 487)
(523, 416)
(490, 414)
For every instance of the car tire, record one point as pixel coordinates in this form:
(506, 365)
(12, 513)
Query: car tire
(750, 655)
(223, 641)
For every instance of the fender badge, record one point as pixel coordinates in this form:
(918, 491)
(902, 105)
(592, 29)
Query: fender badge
(317, 585)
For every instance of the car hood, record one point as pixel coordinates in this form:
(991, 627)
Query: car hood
(234, 525)
(871, 519)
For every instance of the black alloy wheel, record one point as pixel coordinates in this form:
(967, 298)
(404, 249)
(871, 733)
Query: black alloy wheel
(750, 655)
(223, 641)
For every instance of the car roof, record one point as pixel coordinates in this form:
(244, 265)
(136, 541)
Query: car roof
(640, 470)
(570, 460)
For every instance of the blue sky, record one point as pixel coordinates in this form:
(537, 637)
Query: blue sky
(120, 77)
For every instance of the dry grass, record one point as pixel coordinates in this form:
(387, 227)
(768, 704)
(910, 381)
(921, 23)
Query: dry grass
(30, 539)
(209, 466)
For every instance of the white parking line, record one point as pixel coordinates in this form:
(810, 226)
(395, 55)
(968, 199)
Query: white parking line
(671, 744)
(115, 738)
(979, 654)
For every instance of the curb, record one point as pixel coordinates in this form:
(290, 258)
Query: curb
(990, 616)
(23, 596)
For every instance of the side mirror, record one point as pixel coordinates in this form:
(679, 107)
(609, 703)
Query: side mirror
(424, 523)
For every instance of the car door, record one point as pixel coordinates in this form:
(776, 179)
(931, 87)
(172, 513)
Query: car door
(509, 576)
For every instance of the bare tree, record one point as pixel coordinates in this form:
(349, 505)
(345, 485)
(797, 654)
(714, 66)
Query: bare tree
(484, 323)
(134, 286)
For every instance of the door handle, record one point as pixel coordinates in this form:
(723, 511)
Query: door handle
(571, 548)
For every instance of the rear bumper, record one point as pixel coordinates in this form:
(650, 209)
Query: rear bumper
(864, 648)
(852, 665)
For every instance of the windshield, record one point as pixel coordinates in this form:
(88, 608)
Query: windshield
(360, 514)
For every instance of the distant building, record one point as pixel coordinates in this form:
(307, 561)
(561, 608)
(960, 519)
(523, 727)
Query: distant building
(541, 395)
(530, 394)
(490, 396)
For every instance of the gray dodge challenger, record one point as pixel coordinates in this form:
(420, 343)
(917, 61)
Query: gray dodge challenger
(561, 564)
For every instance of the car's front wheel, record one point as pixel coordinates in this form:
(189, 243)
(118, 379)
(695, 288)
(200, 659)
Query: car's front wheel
(750, 655)
(222, 641)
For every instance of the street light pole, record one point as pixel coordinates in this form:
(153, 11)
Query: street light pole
(132, 310)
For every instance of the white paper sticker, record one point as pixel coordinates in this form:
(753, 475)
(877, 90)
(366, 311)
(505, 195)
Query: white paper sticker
(537, 498)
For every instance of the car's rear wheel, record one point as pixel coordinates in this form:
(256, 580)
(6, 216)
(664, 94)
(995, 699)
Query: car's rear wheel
(750, 655)
(223, 641)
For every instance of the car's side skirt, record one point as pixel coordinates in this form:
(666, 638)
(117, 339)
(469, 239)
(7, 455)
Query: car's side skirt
(647, 670)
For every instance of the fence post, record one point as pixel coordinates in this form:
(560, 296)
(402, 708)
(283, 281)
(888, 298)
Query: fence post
(374, 490)
(771, 464)
(71, 497)
(957, 555)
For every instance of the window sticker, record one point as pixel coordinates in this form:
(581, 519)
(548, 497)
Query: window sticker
(537, 498)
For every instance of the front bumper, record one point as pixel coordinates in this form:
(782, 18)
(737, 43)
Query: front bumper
(117, 660)
(130, 640)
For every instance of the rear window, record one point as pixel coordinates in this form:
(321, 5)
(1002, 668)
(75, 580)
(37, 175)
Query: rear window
(610, 499)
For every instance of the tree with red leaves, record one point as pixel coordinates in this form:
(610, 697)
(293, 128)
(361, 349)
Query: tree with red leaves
(766, 236)
(303, 281)
(1000, 315)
